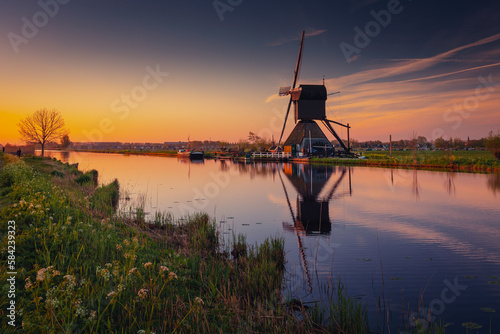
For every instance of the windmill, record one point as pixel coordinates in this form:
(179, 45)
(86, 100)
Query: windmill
(309, 105)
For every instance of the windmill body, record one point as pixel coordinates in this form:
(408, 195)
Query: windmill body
(309, 106)
(307, 138)
(309, 101)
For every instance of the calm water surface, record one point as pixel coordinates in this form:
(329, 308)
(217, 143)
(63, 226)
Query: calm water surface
(404, 242)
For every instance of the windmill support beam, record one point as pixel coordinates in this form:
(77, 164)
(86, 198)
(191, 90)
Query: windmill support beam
(336, 185)
(329, 127)
(345, 126)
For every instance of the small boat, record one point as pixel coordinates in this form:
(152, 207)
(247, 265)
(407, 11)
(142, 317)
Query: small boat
(196, 155)
(184, 153)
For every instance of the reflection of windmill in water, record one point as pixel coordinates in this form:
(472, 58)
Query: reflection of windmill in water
(316, 187)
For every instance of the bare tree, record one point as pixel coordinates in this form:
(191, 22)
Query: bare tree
(43, 127)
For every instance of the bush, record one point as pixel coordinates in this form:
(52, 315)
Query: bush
(493, 144)
(106, 198)
(82, 179)
(57, 173)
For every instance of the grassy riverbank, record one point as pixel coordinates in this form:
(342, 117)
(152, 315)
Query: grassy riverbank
(82, 268)
(464, 161)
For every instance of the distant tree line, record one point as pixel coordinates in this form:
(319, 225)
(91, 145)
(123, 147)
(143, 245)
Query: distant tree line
(422, 142)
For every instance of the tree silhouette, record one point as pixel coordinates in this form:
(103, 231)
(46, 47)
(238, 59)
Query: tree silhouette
(43, 127)
(492, 143)
(65, 142)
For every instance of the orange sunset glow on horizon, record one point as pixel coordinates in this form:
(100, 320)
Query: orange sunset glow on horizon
(138, 78)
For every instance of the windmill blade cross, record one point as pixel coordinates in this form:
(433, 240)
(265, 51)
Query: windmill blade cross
(299, 60)
(284, 124)
(295, 78)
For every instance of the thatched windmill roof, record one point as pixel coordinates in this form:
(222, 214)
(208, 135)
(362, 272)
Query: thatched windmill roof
(301, 130)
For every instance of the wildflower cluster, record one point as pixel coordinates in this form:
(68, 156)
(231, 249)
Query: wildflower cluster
(103, 273)
(143, 293)
(43, 274)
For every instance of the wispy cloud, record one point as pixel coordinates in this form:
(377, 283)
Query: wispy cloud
(312, 32)
(453, 73)
(401, 96)
(274, 97)
(407, 66)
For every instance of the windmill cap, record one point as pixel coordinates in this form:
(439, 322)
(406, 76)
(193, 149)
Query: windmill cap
(313, 92)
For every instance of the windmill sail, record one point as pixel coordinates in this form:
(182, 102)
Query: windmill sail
(295, 78)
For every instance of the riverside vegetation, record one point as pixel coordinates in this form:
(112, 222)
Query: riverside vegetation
(81, 267)
(457, 160)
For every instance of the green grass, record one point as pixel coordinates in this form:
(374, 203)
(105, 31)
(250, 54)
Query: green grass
(473, 161)
(343, 314)
(83, 268)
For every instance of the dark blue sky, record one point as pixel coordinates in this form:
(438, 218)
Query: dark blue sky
(251, 52)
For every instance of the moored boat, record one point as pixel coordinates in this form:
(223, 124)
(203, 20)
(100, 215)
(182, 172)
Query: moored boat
(196, 155)
(184, 153)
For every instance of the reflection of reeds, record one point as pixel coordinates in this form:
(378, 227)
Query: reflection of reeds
(335, 312)
(341, 315)
(416, 187)
(449, 184)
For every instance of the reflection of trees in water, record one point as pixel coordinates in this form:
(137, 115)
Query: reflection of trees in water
(494, 183)
(415, 187)
(449, 184)
(224, 166)
(255, 169)
(64, 156)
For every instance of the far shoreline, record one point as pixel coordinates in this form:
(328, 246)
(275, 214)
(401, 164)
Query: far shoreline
(452, 161)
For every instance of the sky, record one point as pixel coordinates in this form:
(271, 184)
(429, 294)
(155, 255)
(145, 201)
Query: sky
(158, 71)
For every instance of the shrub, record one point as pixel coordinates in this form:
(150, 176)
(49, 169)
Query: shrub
(57, 173)
(82, 179)
(15, 172)
(493, 144)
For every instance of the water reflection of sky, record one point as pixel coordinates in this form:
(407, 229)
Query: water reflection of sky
(429, 227)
